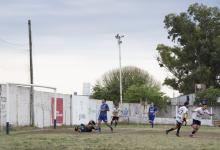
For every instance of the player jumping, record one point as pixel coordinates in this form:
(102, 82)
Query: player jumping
(151, 114)
(180, 118)
(103, 115)
(197, 117)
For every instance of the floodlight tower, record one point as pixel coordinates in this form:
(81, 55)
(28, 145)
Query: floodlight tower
(118, 37)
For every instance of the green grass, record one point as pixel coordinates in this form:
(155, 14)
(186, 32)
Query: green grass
(124, 137)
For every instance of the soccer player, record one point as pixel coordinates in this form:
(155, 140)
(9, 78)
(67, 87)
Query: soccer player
(86, 128)
(181, 116)
(151, 114)
(115, 115)
(103, 115)
(197, 117)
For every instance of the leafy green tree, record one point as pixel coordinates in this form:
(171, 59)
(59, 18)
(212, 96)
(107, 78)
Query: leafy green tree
(195, 56)
(144, 93)
(137, 85)
(211, 94)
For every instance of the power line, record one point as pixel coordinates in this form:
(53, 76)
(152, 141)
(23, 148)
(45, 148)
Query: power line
(12, 43)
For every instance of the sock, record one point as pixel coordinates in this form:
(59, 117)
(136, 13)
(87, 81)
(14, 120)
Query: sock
(178, 130)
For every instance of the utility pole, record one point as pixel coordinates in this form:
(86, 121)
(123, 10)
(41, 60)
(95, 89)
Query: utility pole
(118, 37)
(31, 77)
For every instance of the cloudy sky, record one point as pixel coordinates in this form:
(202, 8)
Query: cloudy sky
(73, 40)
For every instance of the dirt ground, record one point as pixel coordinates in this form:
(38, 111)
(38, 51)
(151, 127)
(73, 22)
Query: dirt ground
(123, 137)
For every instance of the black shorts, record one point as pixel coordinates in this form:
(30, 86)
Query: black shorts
(197, 122)
(115, 118)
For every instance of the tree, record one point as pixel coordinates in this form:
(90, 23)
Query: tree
(210, 94)
(137, 85)
(195, 56)
(144, 93)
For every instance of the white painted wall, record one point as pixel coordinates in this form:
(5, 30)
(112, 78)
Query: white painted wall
(76, 109)
(85, 109)
(19, 106)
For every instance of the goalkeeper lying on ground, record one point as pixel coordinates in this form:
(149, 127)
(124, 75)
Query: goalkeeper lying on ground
(86, 128)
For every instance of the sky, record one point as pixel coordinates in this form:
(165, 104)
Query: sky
(74, 40)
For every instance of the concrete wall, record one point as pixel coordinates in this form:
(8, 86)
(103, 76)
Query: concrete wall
(19, 106)
(85, 109)
(137, 113)
(76, 109)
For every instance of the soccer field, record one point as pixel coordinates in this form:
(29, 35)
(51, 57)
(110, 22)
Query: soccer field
(124, 137)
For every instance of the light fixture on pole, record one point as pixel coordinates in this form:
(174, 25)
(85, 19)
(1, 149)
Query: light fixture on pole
(118, 37)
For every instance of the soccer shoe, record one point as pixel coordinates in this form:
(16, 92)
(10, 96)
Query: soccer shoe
(177, 134)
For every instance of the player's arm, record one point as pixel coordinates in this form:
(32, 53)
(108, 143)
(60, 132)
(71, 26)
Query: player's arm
(209, 113)
(156, 111)
(185, 116)
(106, 108)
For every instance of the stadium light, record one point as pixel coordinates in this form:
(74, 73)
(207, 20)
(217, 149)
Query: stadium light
(118, 37)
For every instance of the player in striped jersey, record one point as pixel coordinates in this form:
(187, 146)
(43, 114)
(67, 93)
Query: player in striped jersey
(180, 118)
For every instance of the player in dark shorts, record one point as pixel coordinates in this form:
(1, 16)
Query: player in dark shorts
(197, 115)
(115, 115)
(86, 128)
(103, 115)
(151, 114)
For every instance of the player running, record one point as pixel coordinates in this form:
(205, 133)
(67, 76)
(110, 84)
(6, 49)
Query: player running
(103, 115)
(181, 116)
(151, 114)
(115, 115)
(197, 115)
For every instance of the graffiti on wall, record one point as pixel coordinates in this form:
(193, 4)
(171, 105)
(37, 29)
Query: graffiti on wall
(125, 111)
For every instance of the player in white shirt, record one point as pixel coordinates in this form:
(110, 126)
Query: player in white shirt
(197, 115)
(115, 115)
(180, 118)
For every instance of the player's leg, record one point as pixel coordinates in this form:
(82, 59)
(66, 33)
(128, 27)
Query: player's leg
(116, 121)
(195, 129)
(171, 129)
(151, 120)
(76, 129)
(196, 125)
(106, 123)
(112, 121)
(99, 123)
(179, 125)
